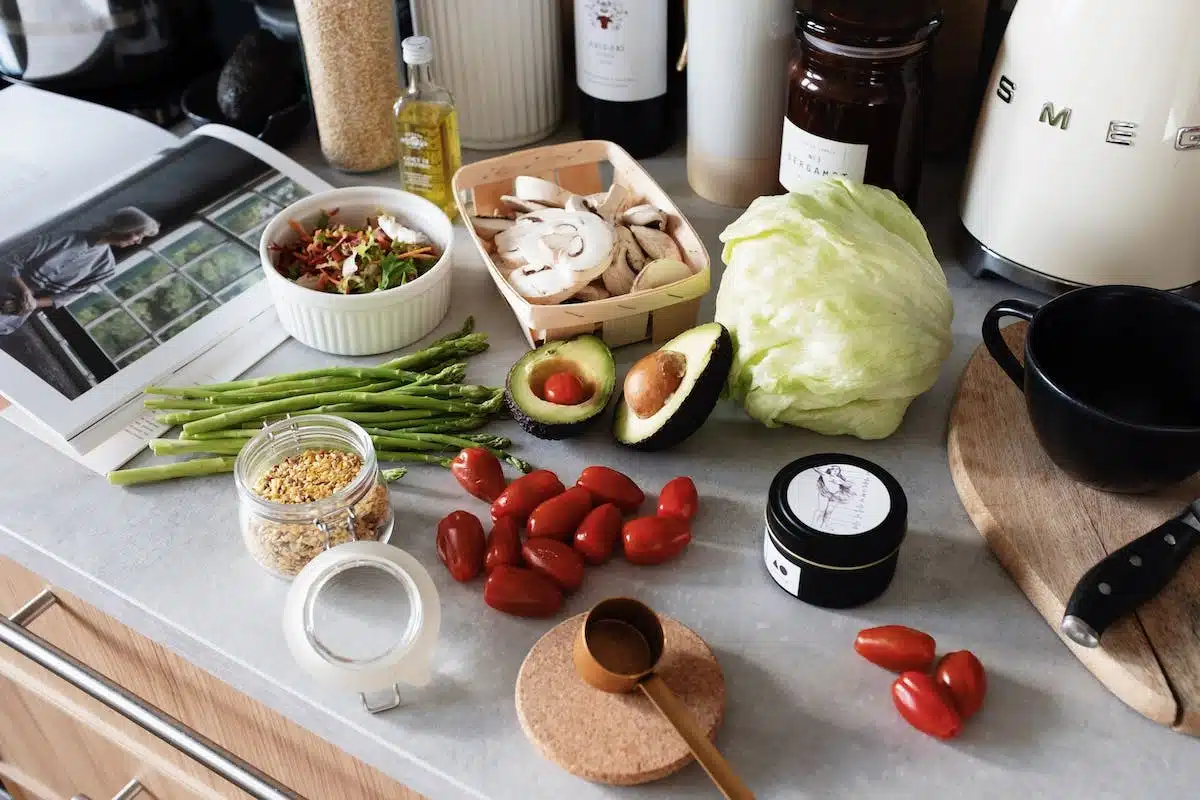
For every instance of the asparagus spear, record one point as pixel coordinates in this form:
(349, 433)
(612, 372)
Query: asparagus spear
(393, 474)
(421, 458)
(163, 472)
(233, 433)
(179, 447)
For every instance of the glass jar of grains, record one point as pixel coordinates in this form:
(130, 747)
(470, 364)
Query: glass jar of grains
(307, 484)
(352, 62)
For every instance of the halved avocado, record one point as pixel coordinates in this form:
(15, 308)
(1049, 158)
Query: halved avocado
(669, 394)
(588, 359)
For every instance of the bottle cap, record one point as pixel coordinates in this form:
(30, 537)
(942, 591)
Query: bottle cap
(417, 50)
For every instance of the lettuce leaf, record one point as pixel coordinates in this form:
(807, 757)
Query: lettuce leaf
(839, 311)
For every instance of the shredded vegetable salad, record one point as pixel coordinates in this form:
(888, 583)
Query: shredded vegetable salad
(341, 259)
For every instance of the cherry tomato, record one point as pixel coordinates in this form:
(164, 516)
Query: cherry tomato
(556, 560)
(479, 472)
(925, 705)
(653, 540)
(610, 486)
(461, 545)
(503, 544)
(523, 592)
(596, 537)
(564, 389)
(525, 494)
(678, 499)
(896, 647)
(961, 675)
(559, 516)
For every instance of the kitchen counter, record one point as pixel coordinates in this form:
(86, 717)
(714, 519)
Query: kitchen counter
(806, 717)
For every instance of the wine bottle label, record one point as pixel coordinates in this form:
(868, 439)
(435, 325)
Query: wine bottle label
(621, 49)
(806, 157)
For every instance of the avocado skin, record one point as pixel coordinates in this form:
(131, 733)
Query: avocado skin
(550, 430)
(546, 429)
(257, 80)
(696, 407)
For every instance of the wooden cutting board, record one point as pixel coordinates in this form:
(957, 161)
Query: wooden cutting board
(1047, 530)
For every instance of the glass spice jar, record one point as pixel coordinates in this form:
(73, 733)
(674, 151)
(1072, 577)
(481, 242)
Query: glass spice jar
(859, 87)
(284, 536)
(351, 60)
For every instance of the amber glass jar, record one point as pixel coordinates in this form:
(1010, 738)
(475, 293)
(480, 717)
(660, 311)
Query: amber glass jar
(858, 94)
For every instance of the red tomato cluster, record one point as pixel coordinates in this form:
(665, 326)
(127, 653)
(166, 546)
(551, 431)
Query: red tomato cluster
(565, 529)
(934, 699)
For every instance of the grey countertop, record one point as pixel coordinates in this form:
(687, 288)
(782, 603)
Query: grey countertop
(806, 717)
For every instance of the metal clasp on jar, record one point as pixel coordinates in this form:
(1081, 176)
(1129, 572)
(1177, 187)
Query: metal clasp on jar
(322, 524)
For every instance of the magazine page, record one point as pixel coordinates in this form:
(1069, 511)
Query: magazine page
(125, 285)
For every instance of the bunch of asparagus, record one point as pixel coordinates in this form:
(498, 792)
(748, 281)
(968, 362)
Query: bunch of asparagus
(416, 409)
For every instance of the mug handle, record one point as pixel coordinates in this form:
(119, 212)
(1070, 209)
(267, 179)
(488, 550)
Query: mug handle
(995, 343)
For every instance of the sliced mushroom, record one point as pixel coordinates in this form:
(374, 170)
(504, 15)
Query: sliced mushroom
(539, 190)
(661, 272)
(488, 227)
(508, 260)
(544, 284)
(578, 248)
(521, 206)
(618, 278)
(633, 251)
(610, 207)
(645, 215)
(578, 204)
(593, 291)
(579, 241)
(507, 239)
(656, 244)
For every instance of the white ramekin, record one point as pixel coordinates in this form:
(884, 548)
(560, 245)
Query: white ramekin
(361, 324)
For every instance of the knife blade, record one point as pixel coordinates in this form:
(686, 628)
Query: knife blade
(1128, 577)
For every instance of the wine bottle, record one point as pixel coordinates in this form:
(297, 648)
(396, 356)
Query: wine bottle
(621, 69)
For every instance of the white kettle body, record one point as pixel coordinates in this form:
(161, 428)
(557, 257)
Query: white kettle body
(1085, 168)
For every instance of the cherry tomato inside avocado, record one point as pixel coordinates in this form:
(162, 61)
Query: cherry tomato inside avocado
(564, 389)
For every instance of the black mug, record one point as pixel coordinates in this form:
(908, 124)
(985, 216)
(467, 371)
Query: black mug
(1111, 381)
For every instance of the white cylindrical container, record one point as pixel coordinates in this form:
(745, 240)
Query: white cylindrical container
(737, 90)
(502, 60)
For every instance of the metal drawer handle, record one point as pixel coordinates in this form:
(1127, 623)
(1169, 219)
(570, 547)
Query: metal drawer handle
(240, 773)
(128, 791)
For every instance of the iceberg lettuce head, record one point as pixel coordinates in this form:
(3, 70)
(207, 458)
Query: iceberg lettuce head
(839, 311)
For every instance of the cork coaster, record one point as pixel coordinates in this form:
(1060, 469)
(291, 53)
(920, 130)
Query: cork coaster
(618, 739)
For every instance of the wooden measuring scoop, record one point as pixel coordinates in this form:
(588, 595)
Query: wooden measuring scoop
(619, 644)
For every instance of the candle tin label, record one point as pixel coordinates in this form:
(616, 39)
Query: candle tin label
(840, 499)
(784, 572)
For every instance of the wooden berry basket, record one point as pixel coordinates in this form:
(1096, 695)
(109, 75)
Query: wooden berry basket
(655, 314)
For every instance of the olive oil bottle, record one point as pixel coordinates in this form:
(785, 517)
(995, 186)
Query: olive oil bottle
(427, 130)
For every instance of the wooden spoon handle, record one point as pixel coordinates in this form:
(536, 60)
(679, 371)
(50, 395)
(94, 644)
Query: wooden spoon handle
(702, 748)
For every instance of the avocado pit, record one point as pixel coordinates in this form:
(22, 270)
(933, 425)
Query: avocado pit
(652, 380)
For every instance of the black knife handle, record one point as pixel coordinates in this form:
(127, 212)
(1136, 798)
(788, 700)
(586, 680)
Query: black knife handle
(1125, 579)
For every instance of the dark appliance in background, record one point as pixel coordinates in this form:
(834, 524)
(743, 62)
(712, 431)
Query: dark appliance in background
(133, 55)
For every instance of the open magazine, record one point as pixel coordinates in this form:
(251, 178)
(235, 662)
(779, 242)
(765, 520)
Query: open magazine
(128, 256)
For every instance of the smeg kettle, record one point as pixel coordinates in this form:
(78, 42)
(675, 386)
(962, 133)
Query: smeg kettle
(1085, 168)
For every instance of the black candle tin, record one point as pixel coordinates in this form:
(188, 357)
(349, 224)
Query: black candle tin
(834, 527)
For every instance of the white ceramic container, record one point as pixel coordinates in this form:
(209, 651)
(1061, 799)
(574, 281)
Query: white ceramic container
(361, 324)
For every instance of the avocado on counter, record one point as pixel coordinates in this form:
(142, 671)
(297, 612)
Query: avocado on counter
(588, 359)
(669, 394)
(258, 80)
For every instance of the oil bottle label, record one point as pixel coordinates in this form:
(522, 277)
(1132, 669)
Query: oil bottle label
(621, 49)
(805, 158)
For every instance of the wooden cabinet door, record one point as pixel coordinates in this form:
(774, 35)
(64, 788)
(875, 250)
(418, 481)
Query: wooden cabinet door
(50, 751)
(304, 762)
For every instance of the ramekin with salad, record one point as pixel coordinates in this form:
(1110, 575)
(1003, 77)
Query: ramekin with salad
(359, 270)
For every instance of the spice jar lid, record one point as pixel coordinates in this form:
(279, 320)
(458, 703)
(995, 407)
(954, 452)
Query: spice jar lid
(838, 511)
(872, 24)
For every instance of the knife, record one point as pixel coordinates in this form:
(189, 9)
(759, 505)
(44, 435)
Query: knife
(1128, 577)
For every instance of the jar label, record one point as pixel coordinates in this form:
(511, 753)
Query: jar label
(621, 49)
(784, 572)
(841, 499)
(805, 158)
